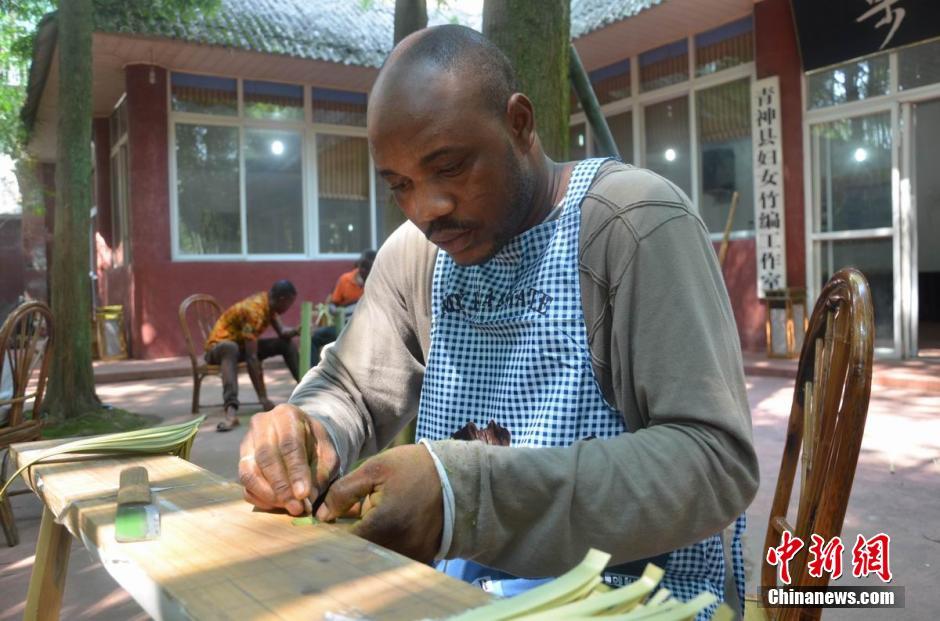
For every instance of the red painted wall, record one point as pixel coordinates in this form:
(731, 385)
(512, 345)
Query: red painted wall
(740, 272)
(776, 53)
(156, 285)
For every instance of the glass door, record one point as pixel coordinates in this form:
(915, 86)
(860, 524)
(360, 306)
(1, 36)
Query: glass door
(854, 223)
(924, 154)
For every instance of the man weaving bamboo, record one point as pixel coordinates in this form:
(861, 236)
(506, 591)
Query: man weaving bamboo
(578, 305)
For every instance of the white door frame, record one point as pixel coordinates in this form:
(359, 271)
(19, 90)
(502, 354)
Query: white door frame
(815, 239)
(908, 204)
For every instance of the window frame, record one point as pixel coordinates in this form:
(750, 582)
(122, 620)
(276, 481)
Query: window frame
(120, 175)
(639, 101)
(309, 131)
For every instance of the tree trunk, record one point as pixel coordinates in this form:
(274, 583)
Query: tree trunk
(535, 36)
(410, 16)
(71, 390)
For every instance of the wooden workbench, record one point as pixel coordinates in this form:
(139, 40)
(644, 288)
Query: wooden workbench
(216, 558)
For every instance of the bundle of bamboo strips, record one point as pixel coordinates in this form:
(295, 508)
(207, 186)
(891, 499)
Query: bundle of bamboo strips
(167, 440)
(581, 594)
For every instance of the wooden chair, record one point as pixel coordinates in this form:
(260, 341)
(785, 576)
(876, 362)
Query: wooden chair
(25, 343)
(827, 421)
(199, 312)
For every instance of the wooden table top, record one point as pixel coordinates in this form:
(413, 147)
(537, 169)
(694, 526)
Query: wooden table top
(216, 558)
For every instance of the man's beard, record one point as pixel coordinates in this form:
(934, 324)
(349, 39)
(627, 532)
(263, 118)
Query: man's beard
(521, 192)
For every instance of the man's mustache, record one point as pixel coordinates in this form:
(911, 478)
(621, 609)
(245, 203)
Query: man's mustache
(447, 225)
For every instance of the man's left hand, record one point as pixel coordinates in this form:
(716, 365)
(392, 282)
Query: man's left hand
(398, 497)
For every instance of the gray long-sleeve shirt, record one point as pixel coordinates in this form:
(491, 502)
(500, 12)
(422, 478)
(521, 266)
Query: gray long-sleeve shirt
(665, 352)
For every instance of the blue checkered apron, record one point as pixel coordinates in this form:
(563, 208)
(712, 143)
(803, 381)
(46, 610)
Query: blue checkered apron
(509, 343)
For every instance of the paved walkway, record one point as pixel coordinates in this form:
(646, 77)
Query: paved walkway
(897, 490)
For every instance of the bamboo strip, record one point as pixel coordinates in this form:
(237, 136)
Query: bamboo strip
(306, 314)
(169, 439)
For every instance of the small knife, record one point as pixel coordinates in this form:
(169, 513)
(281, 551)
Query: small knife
(137, 519)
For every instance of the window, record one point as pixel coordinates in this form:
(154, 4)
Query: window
(270, 100)
(665, 65)
(274, 191)
(338, 107)
(668, 147)
(723, 117)
(203, 94)
(120, 191)
(612, 83)
(207, 189)
(850, 82)
(919, 65)
(853, 183)
(266, 169)
(390, 217)
(343, 172)
(621, 126)
(724, 47)
(653, 127)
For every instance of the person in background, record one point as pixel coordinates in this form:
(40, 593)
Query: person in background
(346, 294)
(235, 338)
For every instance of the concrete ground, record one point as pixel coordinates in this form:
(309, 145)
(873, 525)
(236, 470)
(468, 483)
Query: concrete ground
(896, 491)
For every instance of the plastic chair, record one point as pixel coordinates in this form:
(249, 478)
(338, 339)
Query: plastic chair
(827, 421)
(25, 343)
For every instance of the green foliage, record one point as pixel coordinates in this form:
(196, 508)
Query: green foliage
(11, 130)
(18, 21)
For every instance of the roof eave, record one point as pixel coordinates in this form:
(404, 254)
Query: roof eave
(47, 34)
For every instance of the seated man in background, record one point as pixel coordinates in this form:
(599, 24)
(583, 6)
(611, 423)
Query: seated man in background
(234, 339)
(346, 294)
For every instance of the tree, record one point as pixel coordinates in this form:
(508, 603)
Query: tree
(536, 38)
(71, 390)
(410, 16)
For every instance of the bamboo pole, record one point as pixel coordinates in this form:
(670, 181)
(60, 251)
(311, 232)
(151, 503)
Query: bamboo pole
(306, 314)
(723, 249)
(592, 109)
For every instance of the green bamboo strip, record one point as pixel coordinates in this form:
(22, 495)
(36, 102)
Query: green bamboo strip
(306, 315)
(172, 439)
(659, 598)
(672, 610)
(724, 613)
(614, 601)
(574, 583)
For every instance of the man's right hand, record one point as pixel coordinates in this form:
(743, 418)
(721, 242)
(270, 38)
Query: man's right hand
(286, 458)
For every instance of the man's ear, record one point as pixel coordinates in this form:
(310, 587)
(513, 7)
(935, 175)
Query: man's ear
(521, 116)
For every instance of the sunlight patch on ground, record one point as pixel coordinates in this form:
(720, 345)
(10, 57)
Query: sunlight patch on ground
(21, 564)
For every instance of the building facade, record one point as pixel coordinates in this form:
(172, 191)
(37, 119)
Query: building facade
(226, 159)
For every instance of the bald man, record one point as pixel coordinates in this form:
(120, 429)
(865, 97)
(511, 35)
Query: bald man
(578, 305)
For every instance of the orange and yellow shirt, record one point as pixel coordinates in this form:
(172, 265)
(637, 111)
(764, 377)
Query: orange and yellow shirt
(243, 321)
(348, 290)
